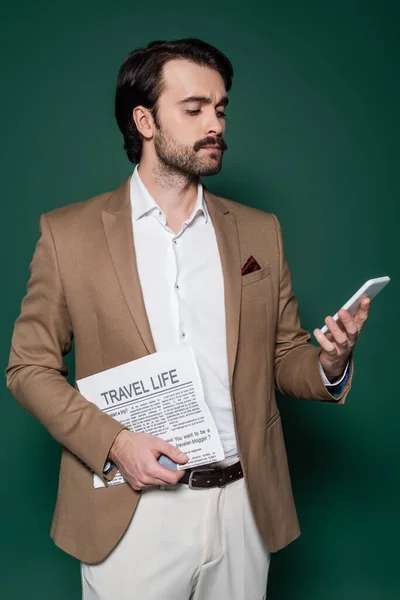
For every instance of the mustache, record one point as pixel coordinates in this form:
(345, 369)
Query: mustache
(211, 141)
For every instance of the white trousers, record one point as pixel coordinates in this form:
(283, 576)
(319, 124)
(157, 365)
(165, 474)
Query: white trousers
(185, 544)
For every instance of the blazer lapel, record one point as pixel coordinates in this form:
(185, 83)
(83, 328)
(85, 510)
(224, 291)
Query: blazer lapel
(226, 232)
(117, 222)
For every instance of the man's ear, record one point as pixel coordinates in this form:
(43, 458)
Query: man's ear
(144, 121)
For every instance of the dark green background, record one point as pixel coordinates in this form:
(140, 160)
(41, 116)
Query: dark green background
(313, 136)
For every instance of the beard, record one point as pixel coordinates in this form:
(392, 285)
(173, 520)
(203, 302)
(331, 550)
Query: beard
(187, 160)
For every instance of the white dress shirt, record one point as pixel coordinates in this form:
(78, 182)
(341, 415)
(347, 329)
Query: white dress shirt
(182, 283)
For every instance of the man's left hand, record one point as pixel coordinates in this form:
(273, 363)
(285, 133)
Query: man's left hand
(338, 343)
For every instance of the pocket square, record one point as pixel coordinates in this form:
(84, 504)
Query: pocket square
(250, 265)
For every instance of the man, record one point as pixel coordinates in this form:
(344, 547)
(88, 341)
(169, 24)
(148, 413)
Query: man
(159, 261)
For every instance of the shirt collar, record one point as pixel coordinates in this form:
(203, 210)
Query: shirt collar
(143, 203)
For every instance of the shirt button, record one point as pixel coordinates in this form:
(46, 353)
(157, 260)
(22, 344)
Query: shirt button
(183, 334)
(159, 212)
(175, 242)
(176, 286)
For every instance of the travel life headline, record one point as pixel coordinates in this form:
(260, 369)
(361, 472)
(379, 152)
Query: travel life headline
(135, 389)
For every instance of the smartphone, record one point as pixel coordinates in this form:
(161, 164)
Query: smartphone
(369, 290)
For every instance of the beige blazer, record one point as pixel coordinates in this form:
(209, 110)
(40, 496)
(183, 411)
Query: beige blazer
(84, 286)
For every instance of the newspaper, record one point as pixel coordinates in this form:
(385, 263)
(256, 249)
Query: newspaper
(160, 394)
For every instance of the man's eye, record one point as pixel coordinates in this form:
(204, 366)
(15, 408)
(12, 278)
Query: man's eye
(220, 113)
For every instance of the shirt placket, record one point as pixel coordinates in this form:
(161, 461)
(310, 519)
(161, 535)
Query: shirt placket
(174, 277)
(178, 283)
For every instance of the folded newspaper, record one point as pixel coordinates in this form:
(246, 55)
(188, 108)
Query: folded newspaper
(160, 394)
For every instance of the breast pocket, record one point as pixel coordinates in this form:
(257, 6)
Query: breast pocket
(256, 275)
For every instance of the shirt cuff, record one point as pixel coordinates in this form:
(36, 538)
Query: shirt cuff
(326, 380)
(336, 388)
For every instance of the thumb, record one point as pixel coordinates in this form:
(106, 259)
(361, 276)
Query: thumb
(172, 452)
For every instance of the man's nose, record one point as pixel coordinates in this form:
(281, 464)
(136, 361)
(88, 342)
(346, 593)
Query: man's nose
(214, 125)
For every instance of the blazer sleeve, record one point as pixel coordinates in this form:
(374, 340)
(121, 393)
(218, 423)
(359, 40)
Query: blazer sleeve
(36, 372)
(296, 360)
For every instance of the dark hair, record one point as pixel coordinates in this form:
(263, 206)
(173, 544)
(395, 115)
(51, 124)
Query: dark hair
(140, 81)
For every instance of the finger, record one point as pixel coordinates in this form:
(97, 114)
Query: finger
(330, 335)
(350, 325)
(144, 482)
(362, 313)
(173, 477)
(137, 481)
(328, 346)
(341, 325)
(180, 474)
(157, 471)
(340, 336)
(156, 477)
(174, 453)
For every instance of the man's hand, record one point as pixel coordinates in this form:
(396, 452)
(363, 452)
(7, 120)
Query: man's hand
(339, 343)
(136, 454)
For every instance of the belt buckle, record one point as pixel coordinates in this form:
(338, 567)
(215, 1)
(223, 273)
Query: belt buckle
(192, 473)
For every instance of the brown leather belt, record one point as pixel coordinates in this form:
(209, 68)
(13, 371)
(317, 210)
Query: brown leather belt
(213, 477)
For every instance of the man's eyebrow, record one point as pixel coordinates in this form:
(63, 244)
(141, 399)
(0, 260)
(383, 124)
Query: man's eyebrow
(204, 100)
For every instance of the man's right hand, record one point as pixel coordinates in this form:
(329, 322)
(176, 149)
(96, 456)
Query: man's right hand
(136, 454)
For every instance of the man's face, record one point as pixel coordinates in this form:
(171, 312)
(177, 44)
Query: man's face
(190, 119)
